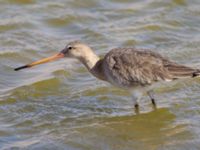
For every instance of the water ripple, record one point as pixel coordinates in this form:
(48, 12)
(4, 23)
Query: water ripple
(61, 103)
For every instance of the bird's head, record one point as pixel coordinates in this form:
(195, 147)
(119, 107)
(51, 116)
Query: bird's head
(74, 49)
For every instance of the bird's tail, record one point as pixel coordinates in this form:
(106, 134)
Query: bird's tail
(180, 71)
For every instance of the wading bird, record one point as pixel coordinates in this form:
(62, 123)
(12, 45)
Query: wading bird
(128, 68)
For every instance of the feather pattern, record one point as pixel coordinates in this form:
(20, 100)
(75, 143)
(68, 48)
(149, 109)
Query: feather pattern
(131, 67)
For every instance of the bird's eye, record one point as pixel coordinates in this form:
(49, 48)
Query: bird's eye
(69, 47)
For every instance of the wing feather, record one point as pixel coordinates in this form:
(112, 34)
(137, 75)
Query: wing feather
(129, 67)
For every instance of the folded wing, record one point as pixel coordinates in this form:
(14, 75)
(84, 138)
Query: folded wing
(128, 67)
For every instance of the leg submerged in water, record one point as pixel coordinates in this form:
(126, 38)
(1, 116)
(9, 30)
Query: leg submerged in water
(136, 95)
(151, 95)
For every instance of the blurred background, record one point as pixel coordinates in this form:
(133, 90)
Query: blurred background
(59, 105)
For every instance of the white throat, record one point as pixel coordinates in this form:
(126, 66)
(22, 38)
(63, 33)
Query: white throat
(89, 60)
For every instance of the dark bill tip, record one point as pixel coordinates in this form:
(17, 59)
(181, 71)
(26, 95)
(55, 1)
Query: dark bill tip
(22, 67)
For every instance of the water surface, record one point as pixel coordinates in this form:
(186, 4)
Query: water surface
(61, 106)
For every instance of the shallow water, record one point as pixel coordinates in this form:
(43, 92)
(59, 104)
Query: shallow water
(60, 106)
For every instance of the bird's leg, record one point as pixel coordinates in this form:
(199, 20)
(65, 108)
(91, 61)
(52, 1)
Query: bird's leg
(136, 95)
(151, 95)
(135, 101)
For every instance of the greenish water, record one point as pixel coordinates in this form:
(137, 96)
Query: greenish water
(61, 106)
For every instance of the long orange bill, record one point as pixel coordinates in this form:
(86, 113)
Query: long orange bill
(45, 60)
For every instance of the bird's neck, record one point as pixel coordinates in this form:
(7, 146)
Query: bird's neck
(90, 60)
(94, 65)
